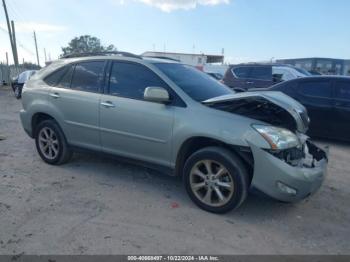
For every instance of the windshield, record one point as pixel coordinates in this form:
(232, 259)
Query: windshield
(198, 85)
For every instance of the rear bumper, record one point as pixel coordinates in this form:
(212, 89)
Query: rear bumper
(284, 182)
(26, 122)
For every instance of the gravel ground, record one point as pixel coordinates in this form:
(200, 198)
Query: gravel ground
(95, 205)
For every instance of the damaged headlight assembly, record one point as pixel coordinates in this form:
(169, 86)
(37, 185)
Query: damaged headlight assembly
(277, 137)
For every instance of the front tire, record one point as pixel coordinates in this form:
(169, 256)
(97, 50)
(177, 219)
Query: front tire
(216, 179)
(51, 143)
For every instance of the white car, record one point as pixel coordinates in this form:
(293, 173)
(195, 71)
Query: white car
(20, 80)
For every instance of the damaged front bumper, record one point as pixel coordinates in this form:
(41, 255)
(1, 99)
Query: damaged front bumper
(285, 182)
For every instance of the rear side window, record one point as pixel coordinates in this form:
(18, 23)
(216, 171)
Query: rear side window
(130, 80)
(88, 76)
(316, 89)
(66, 79)
(342, 90)
(241, 72)
(261, 73)
(55, 77)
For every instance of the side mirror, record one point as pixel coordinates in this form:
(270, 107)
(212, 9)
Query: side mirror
(156, 94)
(276, 78)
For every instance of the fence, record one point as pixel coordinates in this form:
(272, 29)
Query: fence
(9, 72)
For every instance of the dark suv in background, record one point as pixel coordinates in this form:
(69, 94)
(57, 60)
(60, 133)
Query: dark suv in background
(327, 100)
(245, 76)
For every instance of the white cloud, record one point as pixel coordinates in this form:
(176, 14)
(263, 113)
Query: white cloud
(38, 27)
(171, 5)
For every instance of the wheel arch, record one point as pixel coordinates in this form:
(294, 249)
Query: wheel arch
(194, 144)
(39, 117)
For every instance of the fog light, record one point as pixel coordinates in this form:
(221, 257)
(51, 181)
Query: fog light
(286, 189)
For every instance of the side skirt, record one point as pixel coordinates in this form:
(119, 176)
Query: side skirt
(160, 168)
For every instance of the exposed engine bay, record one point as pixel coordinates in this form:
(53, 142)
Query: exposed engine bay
(259, 108)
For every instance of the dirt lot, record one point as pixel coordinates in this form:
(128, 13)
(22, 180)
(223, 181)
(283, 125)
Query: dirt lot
(95, 205)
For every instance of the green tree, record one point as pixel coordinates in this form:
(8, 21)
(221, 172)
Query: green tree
(85, 44)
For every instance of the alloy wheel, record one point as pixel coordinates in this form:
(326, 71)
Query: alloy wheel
(48, 143)
(211, 183)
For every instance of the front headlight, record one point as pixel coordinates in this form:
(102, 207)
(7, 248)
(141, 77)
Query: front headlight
(278, 138)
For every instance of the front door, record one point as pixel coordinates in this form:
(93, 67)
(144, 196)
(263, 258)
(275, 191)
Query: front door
(130, 126)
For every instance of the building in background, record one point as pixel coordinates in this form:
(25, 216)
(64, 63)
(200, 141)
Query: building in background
(197, 60)
(324, 66)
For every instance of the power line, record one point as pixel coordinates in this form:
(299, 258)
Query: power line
(19, 17)
(19, 43)
(18, 8)
(36, 48)
(13, 11)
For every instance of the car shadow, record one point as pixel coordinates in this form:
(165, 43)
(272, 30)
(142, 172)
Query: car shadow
(111, 172)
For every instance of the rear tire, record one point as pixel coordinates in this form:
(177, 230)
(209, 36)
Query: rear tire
(221, 189)
(51, 143)
(18, 92)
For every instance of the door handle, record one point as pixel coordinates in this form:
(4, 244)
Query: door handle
(249, 82)
(55, 95)
(107, 104)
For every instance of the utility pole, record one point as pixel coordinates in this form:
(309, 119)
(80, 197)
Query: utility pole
(14, 42)
(7, 58)
(10, 32)
(223, 55)
(36, 48)
(45, 55)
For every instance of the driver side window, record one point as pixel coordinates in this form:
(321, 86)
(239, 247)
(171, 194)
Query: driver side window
(130, 80)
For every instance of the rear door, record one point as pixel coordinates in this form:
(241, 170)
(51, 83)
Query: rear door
(76, 97)
(342, 109)
(130, 126)
(317, 97)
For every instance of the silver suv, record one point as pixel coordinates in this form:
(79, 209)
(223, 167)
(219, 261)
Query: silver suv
(174, 117)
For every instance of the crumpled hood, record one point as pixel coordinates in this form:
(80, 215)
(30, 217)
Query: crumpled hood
(293, 107)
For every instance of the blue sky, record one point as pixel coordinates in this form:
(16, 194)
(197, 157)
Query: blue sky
(248, 30)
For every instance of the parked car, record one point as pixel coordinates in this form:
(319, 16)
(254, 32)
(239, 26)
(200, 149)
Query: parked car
(327, 99)
(174, 117)
(20, 80)
(245, 76)
(216, 76)
(315, 73)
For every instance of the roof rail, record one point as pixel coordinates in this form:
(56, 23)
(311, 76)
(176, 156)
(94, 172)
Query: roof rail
(107, 53)
(163, 57)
